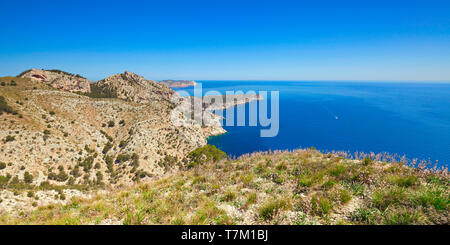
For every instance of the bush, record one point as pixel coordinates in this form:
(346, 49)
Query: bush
(271, 208)
(2, 165)
(87, 163)
(107, 147)
(99, 92)
(122, 158)
(229, 196)
(4, 107)
(111, 124)
(9, 138)
(345, 196)
(321, 205)
(203, 155)
(367, 161)
(122, 144)
(61, 176)
(27, 177)
(168, 162)
(405, 181)
(30, 194)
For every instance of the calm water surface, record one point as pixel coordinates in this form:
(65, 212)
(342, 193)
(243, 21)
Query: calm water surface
(411, 119)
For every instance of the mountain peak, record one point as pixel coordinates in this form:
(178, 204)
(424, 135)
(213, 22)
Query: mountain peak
(133, 87)
(59, 79)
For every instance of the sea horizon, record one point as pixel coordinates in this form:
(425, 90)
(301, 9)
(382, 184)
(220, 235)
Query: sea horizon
(420, 114)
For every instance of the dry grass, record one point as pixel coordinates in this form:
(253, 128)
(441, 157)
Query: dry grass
(299, 187)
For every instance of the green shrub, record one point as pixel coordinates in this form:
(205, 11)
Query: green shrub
(2, 165)
(27, 177)
(9, 138)
(229, 196)
(75, 171)
(30, 194)
(268, 210)
(251, 198)
(122, 158)
(122, 144)
(367, 161)
(61, 176)
(99, 92)
(4, 107)
(345, 196)
(321, 205)
(107, 147)
(203, 155)
(402, 216)
(111, 124)
(168, 161)
(405, 181)
(87, 163)
(382, 199)
(434, 197)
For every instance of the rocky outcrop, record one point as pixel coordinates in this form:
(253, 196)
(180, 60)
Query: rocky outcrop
(59, 80)
(178, 83)
(132, 87)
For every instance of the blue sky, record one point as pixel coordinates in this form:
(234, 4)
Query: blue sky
(220, 40)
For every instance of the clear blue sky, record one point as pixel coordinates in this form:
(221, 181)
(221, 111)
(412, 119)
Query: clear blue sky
(214, 39)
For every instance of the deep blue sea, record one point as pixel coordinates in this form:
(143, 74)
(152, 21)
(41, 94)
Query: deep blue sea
(411, 119)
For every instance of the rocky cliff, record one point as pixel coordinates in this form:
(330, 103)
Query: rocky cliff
(59, 79)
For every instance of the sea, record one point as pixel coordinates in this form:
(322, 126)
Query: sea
(410, 119)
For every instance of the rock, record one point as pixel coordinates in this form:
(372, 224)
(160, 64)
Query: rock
(132, 87)
(59, 80)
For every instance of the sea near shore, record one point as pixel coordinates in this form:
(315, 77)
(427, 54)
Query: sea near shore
(402, 118)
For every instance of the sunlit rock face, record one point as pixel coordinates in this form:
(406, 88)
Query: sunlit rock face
(59, 80)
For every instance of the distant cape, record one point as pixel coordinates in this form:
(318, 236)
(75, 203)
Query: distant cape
(178, 83)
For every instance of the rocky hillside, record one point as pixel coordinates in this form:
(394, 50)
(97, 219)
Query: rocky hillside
(65, 138)
(59, 79)
(298, 187)
(131, 87)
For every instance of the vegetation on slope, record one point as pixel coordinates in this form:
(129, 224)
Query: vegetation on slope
(4, 107)
(55, 71)
(98, 92)
(299, 187)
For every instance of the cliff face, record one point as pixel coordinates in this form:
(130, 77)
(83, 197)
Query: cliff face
(59, 80)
